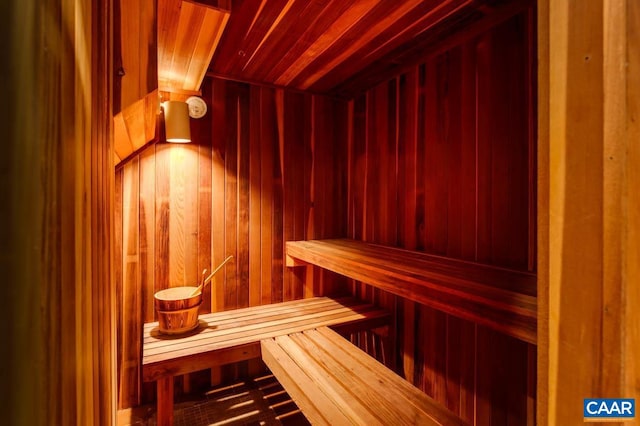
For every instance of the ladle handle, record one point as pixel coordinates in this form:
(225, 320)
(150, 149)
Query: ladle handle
(206, 280)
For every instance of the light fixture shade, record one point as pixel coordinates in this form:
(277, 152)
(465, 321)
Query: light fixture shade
(176, 121)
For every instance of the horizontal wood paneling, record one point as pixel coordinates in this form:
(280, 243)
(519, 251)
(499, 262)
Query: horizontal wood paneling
(265, 166)
(440, 161)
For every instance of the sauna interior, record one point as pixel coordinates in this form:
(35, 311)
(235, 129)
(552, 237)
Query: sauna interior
(408, 125)
(430, 200)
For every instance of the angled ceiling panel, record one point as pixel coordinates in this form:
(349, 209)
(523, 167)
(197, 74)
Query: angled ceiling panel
(324, 46)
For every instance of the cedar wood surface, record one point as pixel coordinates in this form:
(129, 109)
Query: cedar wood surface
(342, 47)
(242, 188)
(438, 159)
(441, 160)
(589, 205)
(56, 253)
(236, 334)
(501, 299)
(334, 382)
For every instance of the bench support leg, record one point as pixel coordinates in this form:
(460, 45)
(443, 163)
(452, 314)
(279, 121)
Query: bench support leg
(165, 401)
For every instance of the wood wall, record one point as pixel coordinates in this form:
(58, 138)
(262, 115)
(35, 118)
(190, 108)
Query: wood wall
(589, 206)
(58, 357)
(265, 166)
(442, 160)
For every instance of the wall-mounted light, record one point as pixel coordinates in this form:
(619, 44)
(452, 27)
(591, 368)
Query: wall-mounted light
(176, 121)
(176, 118)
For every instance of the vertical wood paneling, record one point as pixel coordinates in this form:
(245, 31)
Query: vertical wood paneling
(56, 227)
(147, 213)
(130, 336)
(244, 193)
(219, 143)
(439, 161)
(268, 134)
(255, 205)
(241, 188)
(277, 264)
(205, 165)
(588, 166)
(231, 194)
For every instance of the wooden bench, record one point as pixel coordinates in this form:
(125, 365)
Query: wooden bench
(335, 383)
(231, 336)
(499, 298)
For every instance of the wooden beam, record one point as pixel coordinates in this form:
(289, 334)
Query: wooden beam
(220, 5)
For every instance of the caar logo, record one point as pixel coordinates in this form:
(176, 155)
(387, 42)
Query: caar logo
(597, 410)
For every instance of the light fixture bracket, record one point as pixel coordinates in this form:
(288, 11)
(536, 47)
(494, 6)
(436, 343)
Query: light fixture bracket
(197, 107)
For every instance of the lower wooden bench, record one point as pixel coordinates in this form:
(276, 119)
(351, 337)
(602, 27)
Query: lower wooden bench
(335, 383)
(231, 336)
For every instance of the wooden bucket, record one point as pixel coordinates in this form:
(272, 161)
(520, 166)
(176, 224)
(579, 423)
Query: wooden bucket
(177, 309)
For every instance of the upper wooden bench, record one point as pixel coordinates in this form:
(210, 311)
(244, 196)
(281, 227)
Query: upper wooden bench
(335, 383)
(231, 336)
(502, 299)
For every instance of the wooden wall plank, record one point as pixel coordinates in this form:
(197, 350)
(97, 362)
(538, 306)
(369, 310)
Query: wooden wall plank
(312, 279)
(117, 276)
(277, 283)
(131, 302)
(218, 191)
(255, 195)
(202, 136)
(147, 211)
(632, 244)
(268, 133)
(217, 125)
(162, 217)
(244, 189)
(292, 105)
(231, 195)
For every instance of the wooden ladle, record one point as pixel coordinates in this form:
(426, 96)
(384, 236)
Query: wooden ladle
(206, 280)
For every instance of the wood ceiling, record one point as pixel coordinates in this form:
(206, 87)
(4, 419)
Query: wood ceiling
(335, 47)
(328, 46)
(188, 33)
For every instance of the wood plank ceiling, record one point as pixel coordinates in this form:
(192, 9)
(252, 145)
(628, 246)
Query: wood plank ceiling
(188, 33)
(168, 50)
(327, 46)
(335, 47)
